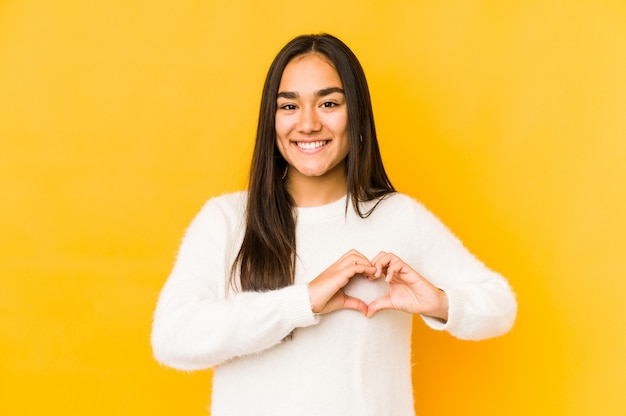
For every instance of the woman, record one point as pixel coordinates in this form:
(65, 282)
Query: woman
(300, 292)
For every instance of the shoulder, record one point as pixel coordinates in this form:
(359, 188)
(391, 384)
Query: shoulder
(399, 202)
(407, 210)
(232, 198)
(223, 211)
(226, 204)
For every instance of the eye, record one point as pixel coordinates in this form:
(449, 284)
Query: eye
(288, 107)
(329, 104)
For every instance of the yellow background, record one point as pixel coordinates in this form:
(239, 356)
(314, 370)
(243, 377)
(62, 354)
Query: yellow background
(118, 119)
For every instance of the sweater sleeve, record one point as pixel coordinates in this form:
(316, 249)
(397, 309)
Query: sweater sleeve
(481, 302)
(195, 325)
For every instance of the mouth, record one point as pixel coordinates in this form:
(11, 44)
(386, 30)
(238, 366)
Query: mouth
(312, 145)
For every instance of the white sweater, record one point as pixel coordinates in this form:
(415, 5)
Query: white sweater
(341, 363)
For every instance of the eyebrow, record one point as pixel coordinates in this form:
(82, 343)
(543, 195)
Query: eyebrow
(290, 95)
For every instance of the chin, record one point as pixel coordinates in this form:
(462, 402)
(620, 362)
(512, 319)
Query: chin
(312, 172)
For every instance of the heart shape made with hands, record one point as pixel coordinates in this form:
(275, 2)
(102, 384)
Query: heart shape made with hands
(369, 286)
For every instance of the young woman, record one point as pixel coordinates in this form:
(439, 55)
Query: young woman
(300, 291)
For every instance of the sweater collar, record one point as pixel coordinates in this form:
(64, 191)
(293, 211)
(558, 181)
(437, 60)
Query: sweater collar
(323, 212)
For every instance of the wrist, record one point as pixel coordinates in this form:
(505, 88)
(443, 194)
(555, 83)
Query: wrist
(441, 312)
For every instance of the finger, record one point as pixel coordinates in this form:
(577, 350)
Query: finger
(353, 254)
(378, 305)
(378, 264)
(352, 258)
(399, 271)
(359, 263)
(343, 276)
(385, 258)
(378, 256)
(355, 304)
(394, 269)
(382, 262)
(363, 269)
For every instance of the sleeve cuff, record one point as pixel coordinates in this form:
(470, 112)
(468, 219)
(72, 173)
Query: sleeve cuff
(297, 307)
(455, 313)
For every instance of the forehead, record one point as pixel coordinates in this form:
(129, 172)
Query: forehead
(309, 71)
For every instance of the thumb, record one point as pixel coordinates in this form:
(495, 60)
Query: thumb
(378, 305)
(356, 304)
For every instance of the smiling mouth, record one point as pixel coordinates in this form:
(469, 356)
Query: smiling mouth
(312, 145)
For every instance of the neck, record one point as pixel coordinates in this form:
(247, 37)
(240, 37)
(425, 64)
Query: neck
(311, 191)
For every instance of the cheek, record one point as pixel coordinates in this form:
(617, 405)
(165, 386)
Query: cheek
(339, 127)
(282, 127)
(345, 145)
(339, 123)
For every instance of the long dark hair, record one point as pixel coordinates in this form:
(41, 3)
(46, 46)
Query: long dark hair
(266, 259)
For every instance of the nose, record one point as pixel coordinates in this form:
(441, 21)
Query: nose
(308, 121)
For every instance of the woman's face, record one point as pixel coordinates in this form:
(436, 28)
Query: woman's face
(312, 119)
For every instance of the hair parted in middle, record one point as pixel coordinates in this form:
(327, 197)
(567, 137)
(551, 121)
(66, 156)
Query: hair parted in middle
(266, 259)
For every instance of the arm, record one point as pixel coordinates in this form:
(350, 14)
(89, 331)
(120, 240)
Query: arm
(446, 285)
(195, 325)
(481, 303)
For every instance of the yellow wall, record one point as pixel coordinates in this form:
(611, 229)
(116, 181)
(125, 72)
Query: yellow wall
(119, 118)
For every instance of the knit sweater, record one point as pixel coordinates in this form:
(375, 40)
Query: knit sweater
(340, 363)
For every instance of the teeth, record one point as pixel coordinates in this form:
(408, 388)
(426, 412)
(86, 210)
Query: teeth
(311, 145)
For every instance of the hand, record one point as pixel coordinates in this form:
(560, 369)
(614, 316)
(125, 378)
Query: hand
(408, 290)
(326, 290)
